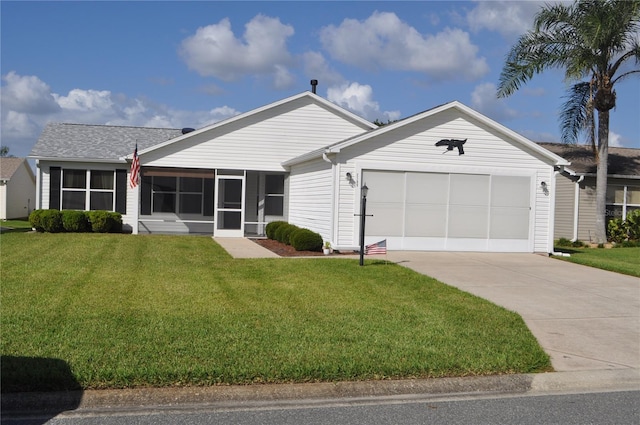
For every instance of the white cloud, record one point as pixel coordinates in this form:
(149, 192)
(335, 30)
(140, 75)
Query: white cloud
(28, 104)
(615, 140)
(383, 41)
(485, 101)
(509, 18)
(358, 98)
(27, 94)
(215, 51)
(316, 67)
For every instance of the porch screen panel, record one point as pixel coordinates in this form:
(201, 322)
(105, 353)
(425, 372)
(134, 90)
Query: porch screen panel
(510, 207)
(426, 207)
(468, 206)
(145, 195)
(385, 202)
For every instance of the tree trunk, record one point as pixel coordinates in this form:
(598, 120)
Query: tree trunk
(601, 176)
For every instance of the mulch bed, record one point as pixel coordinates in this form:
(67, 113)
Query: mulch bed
(289, 251)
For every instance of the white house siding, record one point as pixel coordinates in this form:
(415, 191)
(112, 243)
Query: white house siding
(18, 195)
(587, 209)
(412, 148)
(346, 230)
(258, 142)
(565, 207)
(311, 197)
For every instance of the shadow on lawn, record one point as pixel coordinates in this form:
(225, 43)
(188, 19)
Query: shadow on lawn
(37, 389)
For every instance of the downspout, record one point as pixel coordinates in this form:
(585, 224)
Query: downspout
(333, 198)
(576, 208)
(552, 213)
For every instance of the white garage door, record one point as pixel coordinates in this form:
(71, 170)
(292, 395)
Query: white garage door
(442, 211)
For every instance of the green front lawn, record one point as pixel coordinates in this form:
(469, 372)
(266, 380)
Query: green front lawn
(127, 311)
(620, 260)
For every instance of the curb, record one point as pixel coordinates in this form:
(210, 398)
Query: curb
(238, 395)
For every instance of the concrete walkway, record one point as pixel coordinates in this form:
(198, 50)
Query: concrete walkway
(244, 248)
(584, 318)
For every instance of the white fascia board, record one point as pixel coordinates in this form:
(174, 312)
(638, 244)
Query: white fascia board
(59, 159)
(256, 111)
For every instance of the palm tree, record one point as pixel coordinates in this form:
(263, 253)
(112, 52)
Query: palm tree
(597, 44)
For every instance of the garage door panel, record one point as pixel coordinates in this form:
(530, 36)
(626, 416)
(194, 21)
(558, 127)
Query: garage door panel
(427, 188)
(468, 222)
(509, 223)
(426, 221)
(385, 219)
(469, 189)
(510, 191)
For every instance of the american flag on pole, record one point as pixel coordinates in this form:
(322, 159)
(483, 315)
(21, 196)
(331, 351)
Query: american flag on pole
(376, 248)
(134, 178)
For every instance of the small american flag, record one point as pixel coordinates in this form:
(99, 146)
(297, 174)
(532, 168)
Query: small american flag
(376, 248)
(134, 178)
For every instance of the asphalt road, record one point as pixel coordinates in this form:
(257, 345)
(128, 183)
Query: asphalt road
(617, 408)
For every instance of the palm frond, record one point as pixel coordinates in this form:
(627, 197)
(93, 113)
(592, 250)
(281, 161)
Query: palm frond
(577, 112)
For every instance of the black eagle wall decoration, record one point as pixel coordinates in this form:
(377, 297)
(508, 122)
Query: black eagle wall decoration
(452, 143)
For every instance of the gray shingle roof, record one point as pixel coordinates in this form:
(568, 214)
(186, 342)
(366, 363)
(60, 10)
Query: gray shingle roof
(105, 142)
(622, 161)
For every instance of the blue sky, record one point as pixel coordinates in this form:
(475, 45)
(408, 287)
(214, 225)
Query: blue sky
(189, 64)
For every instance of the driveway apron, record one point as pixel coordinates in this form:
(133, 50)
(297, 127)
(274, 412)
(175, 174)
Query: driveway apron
(584, 318)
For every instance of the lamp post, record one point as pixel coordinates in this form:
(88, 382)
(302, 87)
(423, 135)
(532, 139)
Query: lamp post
(363, 213)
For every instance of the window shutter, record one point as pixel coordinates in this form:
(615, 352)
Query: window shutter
(121, 191)
(145, 195)
(208, 197)
(55, 174)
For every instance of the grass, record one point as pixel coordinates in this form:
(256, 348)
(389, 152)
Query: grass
(116, 311)
(15, 226)
(619, 260)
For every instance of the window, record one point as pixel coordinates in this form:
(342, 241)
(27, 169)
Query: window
(622, 200)
(164, 194)
(99, 194)
(74, 189)
(101, 190)
(274, 194)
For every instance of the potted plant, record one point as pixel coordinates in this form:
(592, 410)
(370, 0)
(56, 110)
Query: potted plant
(326, 249)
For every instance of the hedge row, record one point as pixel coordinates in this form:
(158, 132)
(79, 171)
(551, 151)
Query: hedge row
(300, 239)
(54, 221)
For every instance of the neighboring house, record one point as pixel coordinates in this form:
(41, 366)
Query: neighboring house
(17, 188)
(576, 188)
(304, 159)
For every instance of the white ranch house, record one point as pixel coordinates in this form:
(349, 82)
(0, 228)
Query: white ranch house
(304, 160)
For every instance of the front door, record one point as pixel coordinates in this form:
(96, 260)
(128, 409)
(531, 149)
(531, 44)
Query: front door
(229, 211)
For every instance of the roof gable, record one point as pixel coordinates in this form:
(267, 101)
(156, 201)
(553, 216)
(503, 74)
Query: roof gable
(9, 166)
(270, 109)
(465, 110)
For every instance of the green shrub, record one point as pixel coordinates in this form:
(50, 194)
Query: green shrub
(306, 240)
(75, 221)
(633, 225)
(35, 219)
(617, 230)
(577, 243)
(116, 222)
(51, 221)
(271, 228)
(563, 242)
(283, 233)
(100, 221)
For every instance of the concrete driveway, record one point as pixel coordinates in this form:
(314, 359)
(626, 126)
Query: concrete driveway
(584, 318)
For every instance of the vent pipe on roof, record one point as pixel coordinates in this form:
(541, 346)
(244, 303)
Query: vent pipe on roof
(187, 130)
(314, 83)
